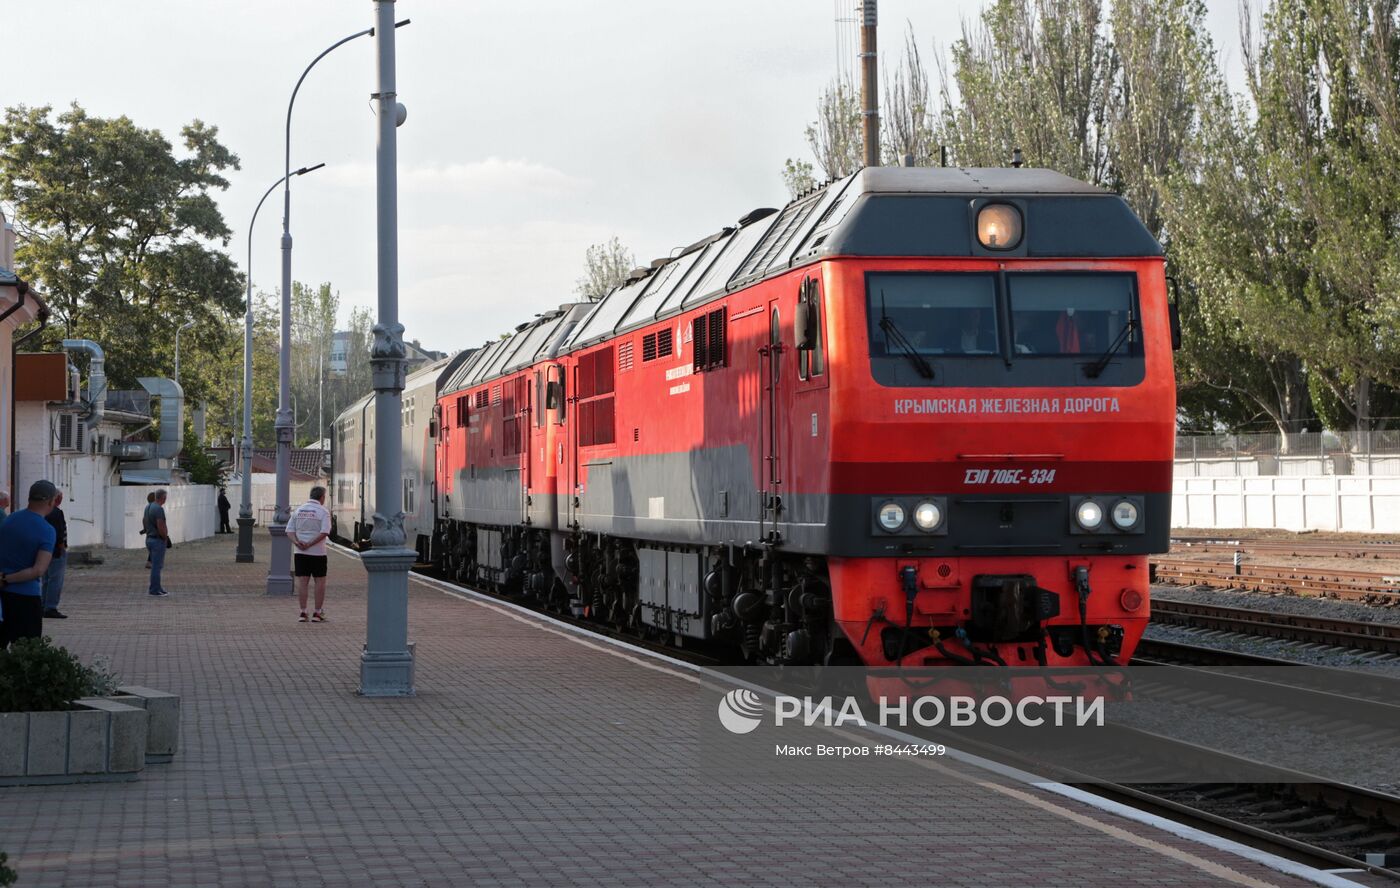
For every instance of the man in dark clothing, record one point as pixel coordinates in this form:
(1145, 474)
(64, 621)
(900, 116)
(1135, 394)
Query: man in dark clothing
(157, 540)
(58, 567)
(224, 507)
(26, 548)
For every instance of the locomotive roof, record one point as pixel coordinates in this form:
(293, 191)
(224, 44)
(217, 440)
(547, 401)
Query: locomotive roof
(878, 211)
(973, 180)
(534, 341)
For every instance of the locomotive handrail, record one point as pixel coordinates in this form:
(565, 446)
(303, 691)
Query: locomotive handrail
(1010, 456)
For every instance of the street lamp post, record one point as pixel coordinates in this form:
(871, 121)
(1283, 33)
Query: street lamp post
(279, 571)
(244, 552)
(386, 665)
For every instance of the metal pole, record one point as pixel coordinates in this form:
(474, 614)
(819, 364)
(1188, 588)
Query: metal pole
(243, 554)
(279, 571)
(869, 83)
(386, 666)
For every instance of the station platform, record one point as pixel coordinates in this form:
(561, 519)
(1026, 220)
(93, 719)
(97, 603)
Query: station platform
(530, 756)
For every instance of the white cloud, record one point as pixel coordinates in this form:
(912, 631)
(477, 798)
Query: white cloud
(490, 176)
(461, 285)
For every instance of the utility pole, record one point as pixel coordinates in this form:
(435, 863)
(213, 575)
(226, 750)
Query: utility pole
(869, 84)
(386, 665)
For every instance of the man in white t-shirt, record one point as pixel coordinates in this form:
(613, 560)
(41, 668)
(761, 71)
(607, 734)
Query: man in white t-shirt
(308, 529)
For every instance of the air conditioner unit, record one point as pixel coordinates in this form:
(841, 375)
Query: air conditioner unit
(67, 422)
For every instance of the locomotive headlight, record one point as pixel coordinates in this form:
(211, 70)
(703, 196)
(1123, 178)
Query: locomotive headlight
(999, 226)
(891, 516)
(1124, 515)
(927, 515)
(1089, 515)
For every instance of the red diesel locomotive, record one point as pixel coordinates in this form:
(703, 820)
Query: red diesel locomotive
(918, 418)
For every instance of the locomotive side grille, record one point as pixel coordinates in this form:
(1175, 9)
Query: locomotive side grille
(709, 340)
(510, 436)
(624, 356)
(701, 347)
(495, 394)
(483, 398)
(716, 344)
(595, 393)
(596, 422)
(664, 343)
(649, 347)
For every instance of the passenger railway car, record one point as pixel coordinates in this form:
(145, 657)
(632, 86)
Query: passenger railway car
(918, 418)
(352, 460)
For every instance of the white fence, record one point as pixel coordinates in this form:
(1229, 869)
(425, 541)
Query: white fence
(264, 498)
(1352, 503)
(191, 513)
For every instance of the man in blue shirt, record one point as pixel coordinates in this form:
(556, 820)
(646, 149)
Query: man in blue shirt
(26, 548)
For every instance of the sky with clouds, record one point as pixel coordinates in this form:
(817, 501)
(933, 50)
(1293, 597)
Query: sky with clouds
(535, 127)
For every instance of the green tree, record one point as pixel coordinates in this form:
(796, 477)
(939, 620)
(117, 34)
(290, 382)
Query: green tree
(314, 311)
(606, 265)
(906, 117)
(1226, 240)
(1323, 81)
(1037, 75)
(123, 238)
(799, 176)
(195, 459)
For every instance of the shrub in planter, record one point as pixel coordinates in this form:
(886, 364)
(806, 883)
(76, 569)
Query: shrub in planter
(7, 875)
(38, 676)
(103, 681)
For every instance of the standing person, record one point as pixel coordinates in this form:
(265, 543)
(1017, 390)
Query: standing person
(157, 539)
(224, 507)
(150, 498)
(26, 548)
(58, 567)
(4, 505)
(309, 528)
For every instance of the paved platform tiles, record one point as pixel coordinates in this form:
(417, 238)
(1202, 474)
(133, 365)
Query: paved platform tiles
(528, 758)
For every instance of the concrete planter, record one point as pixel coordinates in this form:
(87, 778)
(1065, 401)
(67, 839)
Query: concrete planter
(163, 726)
(100, 740)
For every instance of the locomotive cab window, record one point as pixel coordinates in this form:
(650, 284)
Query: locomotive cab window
(1072, 314)
(932, 314)
(1018, 329)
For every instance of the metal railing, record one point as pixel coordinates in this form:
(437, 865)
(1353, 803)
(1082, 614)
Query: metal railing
(1375, 452)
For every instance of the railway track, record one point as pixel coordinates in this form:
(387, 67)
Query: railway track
(1344, 819)
(1381, 638)
(1304, 818)
(1369, 587)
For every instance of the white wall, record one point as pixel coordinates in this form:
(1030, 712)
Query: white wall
(83, 477)
(191, 513)
(1352, 503)
(265, 496)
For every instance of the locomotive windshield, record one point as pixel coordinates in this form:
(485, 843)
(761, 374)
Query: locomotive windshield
(1069, 314)
(935, 313)
(1016, 329)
